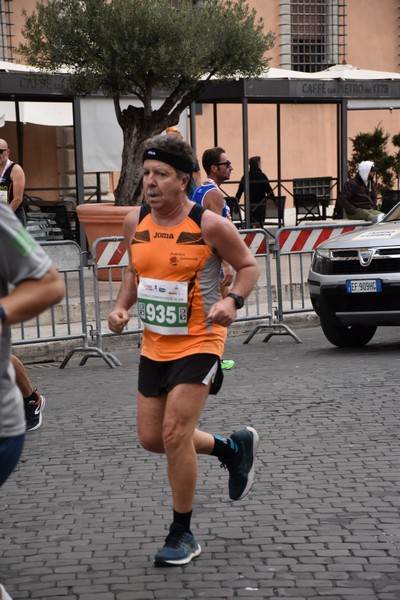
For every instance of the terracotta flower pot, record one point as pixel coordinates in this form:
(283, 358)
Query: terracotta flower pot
(103, 219)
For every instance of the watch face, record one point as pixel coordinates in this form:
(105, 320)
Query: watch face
(239, 301)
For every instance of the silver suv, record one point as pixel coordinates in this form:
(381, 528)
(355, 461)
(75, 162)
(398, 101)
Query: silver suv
(354, 282)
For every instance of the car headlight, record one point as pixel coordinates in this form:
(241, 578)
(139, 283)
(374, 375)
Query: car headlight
(323, 253)
(320, 261)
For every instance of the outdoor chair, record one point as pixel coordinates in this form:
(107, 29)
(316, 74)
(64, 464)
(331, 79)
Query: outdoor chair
(389, 200)
(338, 211)
(236, 212)
(58, 211)
(275, 209)
(307, 207)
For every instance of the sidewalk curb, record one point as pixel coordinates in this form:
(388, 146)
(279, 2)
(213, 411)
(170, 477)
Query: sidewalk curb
(42, 352)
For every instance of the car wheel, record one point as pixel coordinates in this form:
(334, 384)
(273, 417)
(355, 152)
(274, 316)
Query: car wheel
(346, 336)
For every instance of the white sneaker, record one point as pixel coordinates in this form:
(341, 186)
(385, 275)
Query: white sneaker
(34, 413)
(3, 594)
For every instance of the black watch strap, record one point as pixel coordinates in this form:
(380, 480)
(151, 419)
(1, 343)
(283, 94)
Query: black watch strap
(239, 300)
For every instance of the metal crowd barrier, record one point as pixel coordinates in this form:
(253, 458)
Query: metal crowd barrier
(259, 244)
(258, 305)
(110, 258)
(293, 251)
(67, 320)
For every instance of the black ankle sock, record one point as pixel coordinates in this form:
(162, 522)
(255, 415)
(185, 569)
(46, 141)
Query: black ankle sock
(183, 519)
(32, 397)
(224, 448)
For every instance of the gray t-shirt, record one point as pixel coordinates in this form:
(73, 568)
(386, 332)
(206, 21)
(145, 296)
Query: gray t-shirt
(21, 258)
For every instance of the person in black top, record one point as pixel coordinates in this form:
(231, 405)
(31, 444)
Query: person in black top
(260, 188)
(12, 182)
(359, 195)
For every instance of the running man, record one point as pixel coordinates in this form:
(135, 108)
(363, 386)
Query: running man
(176, 248)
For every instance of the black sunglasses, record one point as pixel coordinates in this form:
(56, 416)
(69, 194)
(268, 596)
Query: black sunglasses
(227, 163)
(3, 150)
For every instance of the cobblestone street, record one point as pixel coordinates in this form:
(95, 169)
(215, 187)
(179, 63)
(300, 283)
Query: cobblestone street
(87, 508)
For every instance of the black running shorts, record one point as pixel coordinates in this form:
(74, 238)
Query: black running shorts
(160, 377)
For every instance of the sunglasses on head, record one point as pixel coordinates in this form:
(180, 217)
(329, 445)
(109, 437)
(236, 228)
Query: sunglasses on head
(227, 163)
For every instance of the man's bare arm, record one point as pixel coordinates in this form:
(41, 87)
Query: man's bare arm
(214, 201)
(18, 182)
(222, 235)
(127, 294)
(32, 296)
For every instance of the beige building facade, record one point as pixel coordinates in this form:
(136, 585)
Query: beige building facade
(366, 37)
(310, 36)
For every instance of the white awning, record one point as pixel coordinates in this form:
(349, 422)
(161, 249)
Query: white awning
(350, 72)
(361, 104)
(341, 72)
(102, 138)
(39, 113)
(15, 67)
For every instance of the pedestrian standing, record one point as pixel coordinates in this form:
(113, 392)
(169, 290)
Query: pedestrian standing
(260, 191)
(12, 182)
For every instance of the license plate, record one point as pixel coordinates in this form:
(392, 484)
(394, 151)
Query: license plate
(363, 286)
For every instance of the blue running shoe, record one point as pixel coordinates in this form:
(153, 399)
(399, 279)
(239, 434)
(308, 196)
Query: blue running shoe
(179, 548)
(241, 466)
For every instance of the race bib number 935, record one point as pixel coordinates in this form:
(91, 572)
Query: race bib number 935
(162, 306)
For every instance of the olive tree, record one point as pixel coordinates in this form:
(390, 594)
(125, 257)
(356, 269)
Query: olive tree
(144, 49)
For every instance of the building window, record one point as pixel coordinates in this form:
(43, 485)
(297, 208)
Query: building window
(6, 46)
(312, 33)
(176, 3)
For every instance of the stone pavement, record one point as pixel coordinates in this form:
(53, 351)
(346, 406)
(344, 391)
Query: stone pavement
(86, 509)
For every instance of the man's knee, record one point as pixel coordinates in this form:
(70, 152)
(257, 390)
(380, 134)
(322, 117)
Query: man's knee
(150, 441)
(170, 439)
(174, 435)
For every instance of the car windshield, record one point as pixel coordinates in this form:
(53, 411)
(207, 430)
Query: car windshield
(393, 215)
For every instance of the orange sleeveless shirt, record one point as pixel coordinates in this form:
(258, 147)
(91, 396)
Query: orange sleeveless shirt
(178, 279)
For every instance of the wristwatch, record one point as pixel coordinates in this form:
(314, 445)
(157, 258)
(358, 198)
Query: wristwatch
(2, 314)
(239, 300)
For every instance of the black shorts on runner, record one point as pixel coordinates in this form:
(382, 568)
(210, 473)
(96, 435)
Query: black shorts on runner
(160, 377)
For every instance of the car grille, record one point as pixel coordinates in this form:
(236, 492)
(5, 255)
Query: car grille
(353, 267)
(346, 262)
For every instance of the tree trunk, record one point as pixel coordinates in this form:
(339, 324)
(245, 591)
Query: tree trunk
(135, 133)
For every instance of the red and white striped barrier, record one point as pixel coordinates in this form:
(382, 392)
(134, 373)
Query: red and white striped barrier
(111, 254)
(301, 239)
(306, 239)
(256, 242)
